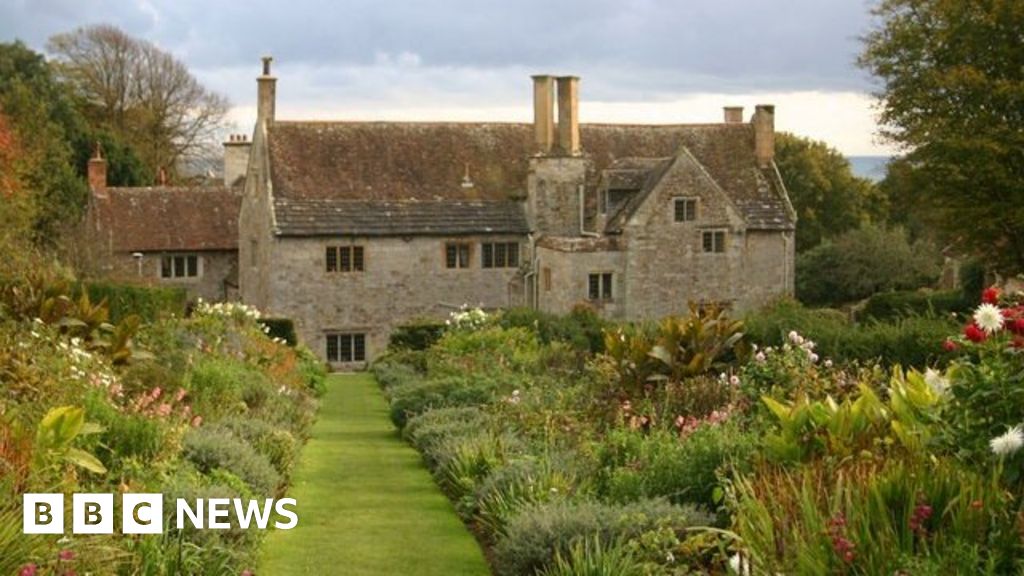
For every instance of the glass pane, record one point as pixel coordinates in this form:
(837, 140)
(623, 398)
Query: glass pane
(357, 258)
(595, 286)
(332, 348)
(345, 258)
(193, 266)
(464, 256)
(346, 347)
(487, 255)
(513, 255)
(709, 242)
(719, 241)
(165, 267)
(499, 255)
(450, 255)
(332, 259)
(691, 210)
(680, 210)
(359, 347)
(179, 266)
(606, 286)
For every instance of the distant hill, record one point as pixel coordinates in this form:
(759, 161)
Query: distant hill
(870, 167)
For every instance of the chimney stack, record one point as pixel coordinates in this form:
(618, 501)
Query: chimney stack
(544, 113)
(97, 173)
(764, 134)
(568, 115)
(266, 93)
(236, 158)
(733, 114)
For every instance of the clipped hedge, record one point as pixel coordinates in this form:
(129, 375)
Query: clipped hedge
(892, 305)
(283, 328)
(417, 335)
(148, 302)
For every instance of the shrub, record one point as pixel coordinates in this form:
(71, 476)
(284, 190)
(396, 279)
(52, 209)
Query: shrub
(536, 536)
(893, 305)
(282, 328)
(582, 328)
(863, 262)
(148, 302)
(212, 448)
(221, 386)
(419, 396)
(431, 429)
(636, 466)
(277, 445)
(418, 335)
(312, 370)
(391, 373)
(591, 557)
(524, 482)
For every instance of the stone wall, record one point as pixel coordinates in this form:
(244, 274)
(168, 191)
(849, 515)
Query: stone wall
(553, 203)
(404, 279)
(255, 236)
(563, 270)
(216, 282)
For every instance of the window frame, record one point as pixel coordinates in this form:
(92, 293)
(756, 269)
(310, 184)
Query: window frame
(345, 347)
(340, 259)
(686, 202)
(719, 241)
(181, 266)
(458, 255)
(601, 286)
(503, 254)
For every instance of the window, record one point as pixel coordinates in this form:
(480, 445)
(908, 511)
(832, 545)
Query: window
(344, 259)
(714, 241)
(346, 347)
(600, 286)
(685, 209)
(499, 255)
(456, 255)
(179, 266)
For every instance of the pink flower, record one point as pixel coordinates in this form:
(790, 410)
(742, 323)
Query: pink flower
(247, 572)
(163, 410)
(155, 393)
(28, 570)
(949, 345)
(197, 421)
(66, 555)
(180, 395)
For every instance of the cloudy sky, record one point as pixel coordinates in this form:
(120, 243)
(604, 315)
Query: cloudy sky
(659, 61)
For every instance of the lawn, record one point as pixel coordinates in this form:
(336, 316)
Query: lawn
(366, 504)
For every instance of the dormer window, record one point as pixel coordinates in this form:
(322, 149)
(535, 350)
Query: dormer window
(684, 209)
(615, 198)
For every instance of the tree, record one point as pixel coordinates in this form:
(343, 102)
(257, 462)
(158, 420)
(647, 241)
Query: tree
(140, 94)
(827, 197)
(952, 94)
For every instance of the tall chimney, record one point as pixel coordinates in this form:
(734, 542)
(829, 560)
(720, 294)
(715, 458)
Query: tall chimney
(764, 134)
(236, 158)
(568, 115)
(733, 114)
(266, 93)
(544, 113)
(97, 173)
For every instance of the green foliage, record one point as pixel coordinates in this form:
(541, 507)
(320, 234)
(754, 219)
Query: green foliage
(222, 387)
(634, 465)
(535, 537)
(278, 446)
(147, 302)
(522, 483)
(209, 449)
(861, 263)
(582, 328)
(283, 328)
(417, 335)
(952, 91)
(55, 434)
(419, 396)
(892, 305)
(829, 200)
(591, 557)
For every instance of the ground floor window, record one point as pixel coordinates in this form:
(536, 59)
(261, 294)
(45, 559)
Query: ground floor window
(179, 266)
(600, 286)
(456, 255)
(346, 347)
(714, 241)
(499, 254)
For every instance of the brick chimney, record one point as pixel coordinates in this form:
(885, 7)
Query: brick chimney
(266, 93)
(568, 115)
(544, 113)
(733, 114)
(97, 173)
(764, 134)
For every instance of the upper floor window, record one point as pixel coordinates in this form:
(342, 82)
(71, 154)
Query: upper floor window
(456, 255)
(346, 347)
(344, 258)
(499, 254)
(599, 286)
(179, 266)
(713, 241)
(685, 209)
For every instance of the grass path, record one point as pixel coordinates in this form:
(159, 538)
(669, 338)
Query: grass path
(366, 504)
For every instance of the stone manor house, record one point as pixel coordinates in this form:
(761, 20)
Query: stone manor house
(354, 228)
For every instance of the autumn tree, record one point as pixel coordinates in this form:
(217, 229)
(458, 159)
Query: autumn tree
(140, 94)
(829, 200)
(952, 95)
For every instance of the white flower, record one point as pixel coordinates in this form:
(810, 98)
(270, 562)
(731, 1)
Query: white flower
(734, 380)
(828, 363)
(1008, 443)
(989, 318)
(760, 357)
(813, 357)
(936, 381)
(796, 338)
(739, 565)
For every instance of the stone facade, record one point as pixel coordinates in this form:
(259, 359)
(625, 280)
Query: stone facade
(594, 211)
(216, 280)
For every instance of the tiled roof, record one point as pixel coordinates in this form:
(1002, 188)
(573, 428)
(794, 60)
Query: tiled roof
(166, 218)
(428, 162)
(328, 216)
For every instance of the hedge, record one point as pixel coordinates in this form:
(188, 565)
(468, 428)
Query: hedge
(417, 335)
(150, 303)
(282, 328)
(892, 305)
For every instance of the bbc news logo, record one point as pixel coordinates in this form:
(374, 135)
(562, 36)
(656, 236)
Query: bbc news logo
(144, 513)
